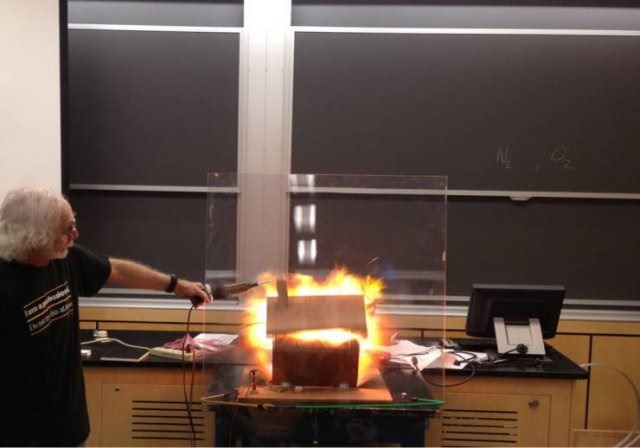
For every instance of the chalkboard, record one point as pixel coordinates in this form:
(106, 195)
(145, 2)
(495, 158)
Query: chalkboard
(492, 112)
(399, 239)
(164, 230)
(590, 246)
(152, 108)
(159, 12)
(539, 14)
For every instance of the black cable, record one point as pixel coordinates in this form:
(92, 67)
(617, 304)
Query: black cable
(193, 375)
(233, 418)
(251, 324)
(516, 349)
(422, 352)
(499, 360)
(235, 412)
(473, 372)
(406, 367)
(472, 359)
(187, 399)
(414, 368)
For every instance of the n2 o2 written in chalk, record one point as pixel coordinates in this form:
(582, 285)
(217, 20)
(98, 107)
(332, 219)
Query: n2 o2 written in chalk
(559, 157)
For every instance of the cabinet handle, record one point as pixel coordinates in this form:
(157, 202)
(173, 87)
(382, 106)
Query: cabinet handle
(534, 403)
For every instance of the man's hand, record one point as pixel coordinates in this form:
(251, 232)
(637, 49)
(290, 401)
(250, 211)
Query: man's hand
(190, 290)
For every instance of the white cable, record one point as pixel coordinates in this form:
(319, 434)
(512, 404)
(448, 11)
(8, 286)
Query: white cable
(114, 340)
(631, 438)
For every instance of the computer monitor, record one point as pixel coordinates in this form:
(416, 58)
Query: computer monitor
(518, 316)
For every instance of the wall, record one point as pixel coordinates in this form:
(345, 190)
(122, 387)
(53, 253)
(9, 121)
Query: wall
(30, 94)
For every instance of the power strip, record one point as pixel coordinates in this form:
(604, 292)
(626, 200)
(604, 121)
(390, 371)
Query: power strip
(97, 334)
(170, 353)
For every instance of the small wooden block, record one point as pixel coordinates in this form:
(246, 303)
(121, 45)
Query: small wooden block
(316, 313)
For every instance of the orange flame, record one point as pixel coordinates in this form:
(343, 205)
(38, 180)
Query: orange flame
(339, 282)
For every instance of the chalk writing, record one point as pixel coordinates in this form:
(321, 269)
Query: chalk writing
(502, 158)
(560, 155)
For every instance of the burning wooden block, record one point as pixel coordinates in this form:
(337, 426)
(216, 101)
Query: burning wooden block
(318, 358)
(315, 363)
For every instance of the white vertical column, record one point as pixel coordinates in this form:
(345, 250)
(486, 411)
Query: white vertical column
(264, 137)
(30, 94)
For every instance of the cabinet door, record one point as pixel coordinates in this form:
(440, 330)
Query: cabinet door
(140, 415)
(94, 406)
(491, 420)
(612, 404)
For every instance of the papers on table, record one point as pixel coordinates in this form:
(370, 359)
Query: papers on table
(456, 360)
(422, 357)
(213, 339)
(403, 347)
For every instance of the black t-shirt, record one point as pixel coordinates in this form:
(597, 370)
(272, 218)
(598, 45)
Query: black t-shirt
(42, 382)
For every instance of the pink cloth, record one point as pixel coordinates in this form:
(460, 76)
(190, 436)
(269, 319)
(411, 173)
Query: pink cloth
(201, 349)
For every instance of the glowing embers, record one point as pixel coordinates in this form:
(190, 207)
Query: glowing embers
(300, 362)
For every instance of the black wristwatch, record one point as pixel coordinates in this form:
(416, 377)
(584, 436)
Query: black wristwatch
(173, 282)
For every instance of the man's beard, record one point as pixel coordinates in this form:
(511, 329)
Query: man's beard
(60, 255)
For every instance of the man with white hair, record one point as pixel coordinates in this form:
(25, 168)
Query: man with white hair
(42, 273)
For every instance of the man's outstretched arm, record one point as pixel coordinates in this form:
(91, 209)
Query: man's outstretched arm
(131, 274)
